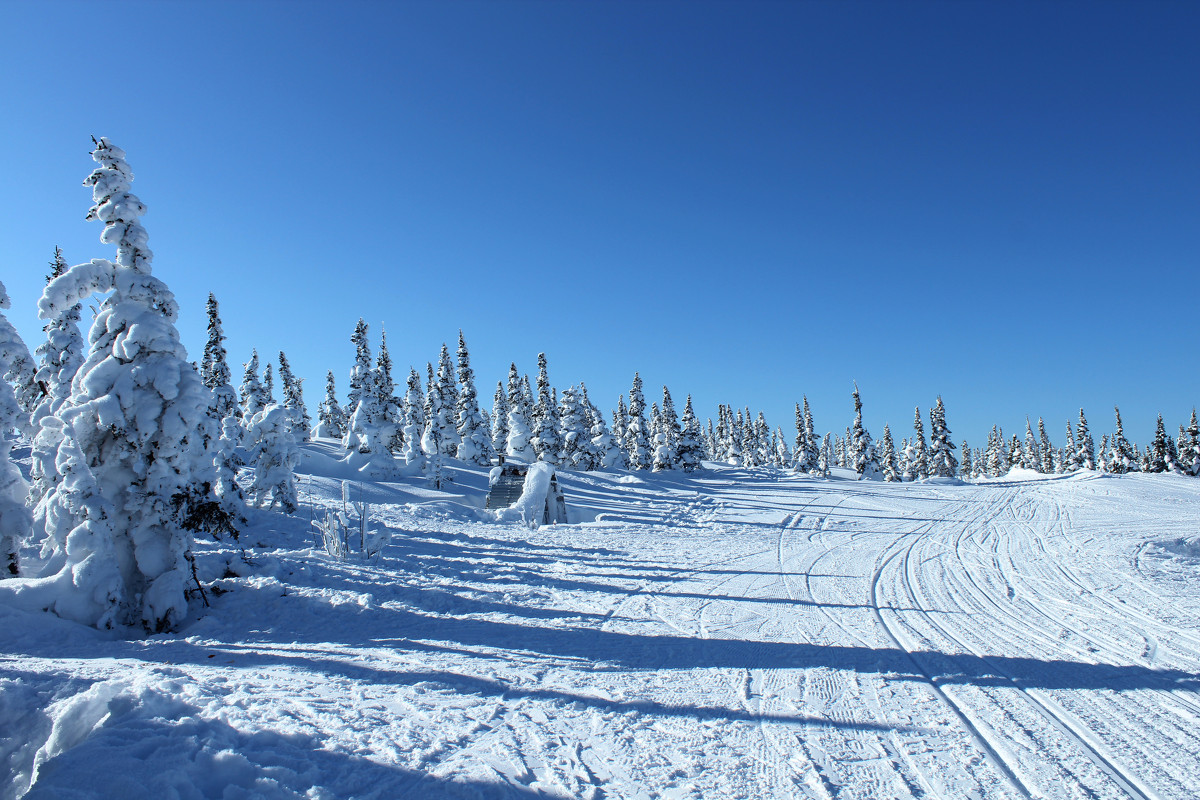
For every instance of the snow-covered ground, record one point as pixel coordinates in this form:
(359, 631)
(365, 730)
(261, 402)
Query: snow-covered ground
(730, 634)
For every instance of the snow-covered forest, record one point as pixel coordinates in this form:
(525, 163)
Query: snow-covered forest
(152, 510)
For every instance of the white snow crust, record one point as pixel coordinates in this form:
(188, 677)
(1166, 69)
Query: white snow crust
(731, 633)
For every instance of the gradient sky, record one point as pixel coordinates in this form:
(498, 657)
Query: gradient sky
(995, 202)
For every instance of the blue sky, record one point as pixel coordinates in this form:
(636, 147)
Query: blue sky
(995, 202)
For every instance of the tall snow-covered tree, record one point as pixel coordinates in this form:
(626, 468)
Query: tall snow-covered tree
(1031, 457)
(214, 368)
(1121, 456)
(414, 423)
(448, 390)
(59, 357)
(666, 451)
(331, 419)
(1189, 448)
(574, 431)
(500, 411)
(391, 411)
(368, 437)
(1102, 455)
(475, 436)
(620, 418)
(1070, 456)
(918, 451)
(293, 399)
(1156, 453)
(137, 416)
(862, 449)
(637, 440)
(274, 456)
(826, 454)
(520, 423)
(16, 523)
(268, 384)
(253, 396)
(690, 452)
(362, 375)
(966, 470)
(942, 462)
(1085, 445)
(439, 425)
(1045, 448)
(547, 442)
(887, 456)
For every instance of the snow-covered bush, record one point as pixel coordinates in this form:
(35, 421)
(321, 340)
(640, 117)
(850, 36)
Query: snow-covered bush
(274, 457)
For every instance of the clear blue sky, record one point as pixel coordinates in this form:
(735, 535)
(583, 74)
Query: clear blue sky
(997, 202)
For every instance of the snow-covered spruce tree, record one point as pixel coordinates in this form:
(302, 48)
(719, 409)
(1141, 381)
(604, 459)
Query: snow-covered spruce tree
(520, 425)
(331, 419)
(903, 467)
(268, 385)
(500, 419)
(826, 455)
(783, 455)
(762, 441)
(918, 451)
(1070, 456)
(1045, 448)
(214, 369)
(1173, 451)
(942, 462)
(362, 376)
(710, 441)
(609, 453)
(448, 390)
(1189, 448)
(690, 452)
(59, 357)
(414, 423)
(666, 451)
(637, 441)
(391, 411)
(1156, 453)
(574, 422)
(293, 399)
(16, 522)
(620, 418)
(253, 396)
(1102, 455)
(1015, 452)
(1085, 445)
(887, 456)
(546, 440)
(274, 457)
(19, 371)
(438, 427)
(966, 470)
(1031, 457)
(475, 436)
(137, 416)
(866, 462)
(230, 513)
(1121, 458)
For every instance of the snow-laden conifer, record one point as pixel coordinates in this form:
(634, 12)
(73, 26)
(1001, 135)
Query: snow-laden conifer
(1189, 448)
(1070, 456)
(137, 415)
(414, 423)
(1121, 457)
(214, 368)
(637, 439)
(942, 462)
(475, 436)
(274, 458)
(331, 418)
(546, 440)
(293, 399)
(59, 356)
(690, 452)
(826, 454)
(1102, 455)
(391, 411)
(20, 373)
(1085, 445)
(449, 394)
(609, 453)
(251, 390)
(918, 455)
(1031, 457)
(1045, 449)
(16, 522)
(887, 456)
(966, 470)
(862, 448)
(1156, 452)
(574, 419)
(268, 385)
(438, 420)
(520, 423)
(620, 418)
(500, 411)
(666, 452)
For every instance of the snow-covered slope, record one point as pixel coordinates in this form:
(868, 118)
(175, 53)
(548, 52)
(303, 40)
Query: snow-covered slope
(728, 634)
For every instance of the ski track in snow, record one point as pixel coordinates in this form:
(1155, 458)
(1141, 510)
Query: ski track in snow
(734, 634)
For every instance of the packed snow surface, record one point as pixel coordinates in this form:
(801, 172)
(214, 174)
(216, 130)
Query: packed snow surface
(728, 634)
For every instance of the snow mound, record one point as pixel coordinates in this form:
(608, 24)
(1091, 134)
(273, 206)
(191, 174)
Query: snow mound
(1187, 547)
